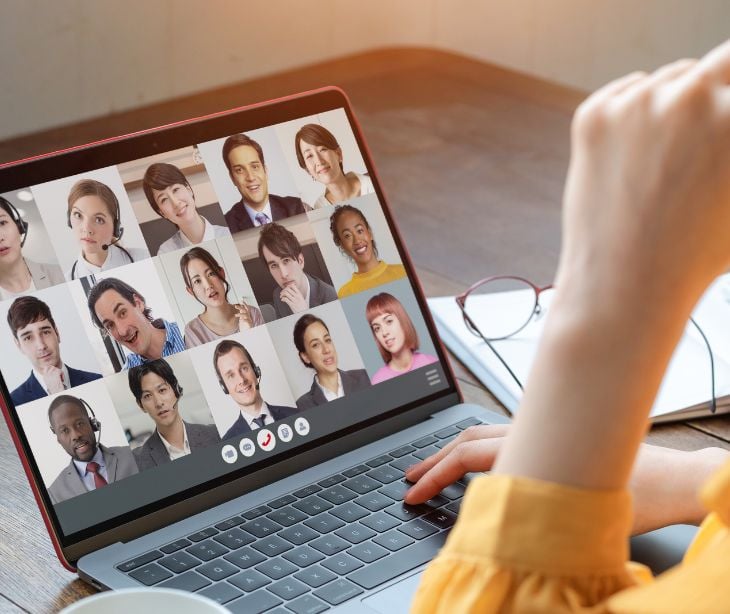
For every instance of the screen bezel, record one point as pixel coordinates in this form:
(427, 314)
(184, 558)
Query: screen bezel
(36, 170)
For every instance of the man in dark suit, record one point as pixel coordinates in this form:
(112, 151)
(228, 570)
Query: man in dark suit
(297, 291)
(244, 160)
(157, 392)
(239, 377)
(92, 465)
(36, 336)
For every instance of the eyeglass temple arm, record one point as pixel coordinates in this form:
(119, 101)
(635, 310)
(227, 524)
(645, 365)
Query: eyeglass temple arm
(713, 401)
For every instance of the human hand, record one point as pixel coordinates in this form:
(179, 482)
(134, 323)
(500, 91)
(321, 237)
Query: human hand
(664, 482)
(293, 297)
(53, 379)
(243, 313)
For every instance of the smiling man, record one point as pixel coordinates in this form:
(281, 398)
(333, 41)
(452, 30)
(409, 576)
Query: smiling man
(297, 291)
(246, 166)
(157, 392)
(120, 311)
(92, 465)
(37, 337)
(239, 377)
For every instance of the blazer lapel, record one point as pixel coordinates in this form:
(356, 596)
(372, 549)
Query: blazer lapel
(111, 464)
(72, 480)
(157, 449)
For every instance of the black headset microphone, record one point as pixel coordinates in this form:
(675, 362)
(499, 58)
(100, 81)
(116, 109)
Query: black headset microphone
(93, 421)
(118, 234)
(17, 219)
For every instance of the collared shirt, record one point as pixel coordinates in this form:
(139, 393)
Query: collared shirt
(180, 241)
(328, 394)
(115, 256)
(64, 372)
(264, 412)
(174, 343)
(87, 477)
(252, 213)
(174, 452)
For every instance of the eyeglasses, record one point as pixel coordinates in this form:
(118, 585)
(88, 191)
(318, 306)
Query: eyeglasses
(497, 308)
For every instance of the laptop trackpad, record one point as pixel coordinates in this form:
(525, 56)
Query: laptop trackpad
(395, 598)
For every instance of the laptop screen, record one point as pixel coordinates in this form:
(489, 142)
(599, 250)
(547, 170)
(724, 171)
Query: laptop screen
(178, 308)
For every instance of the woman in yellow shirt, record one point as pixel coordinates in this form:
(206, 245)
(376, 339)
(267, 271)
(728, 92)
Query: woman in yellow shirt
(646, 223)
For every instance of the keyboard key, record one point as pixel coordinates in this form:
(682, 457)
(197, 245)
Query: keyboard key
(400, 562)
(393, 540)
(405, 462)
(282, 501)
(403, 511)
(289, 588)
(219, 569)
(374, 501)
(175, 546)
(444, 442)
(332, 480)
(441, 518)
(425, 441)
(304, 556)
(355, 533)
(256, 512)
(150, 574)
(349, 512)
(207, 550)
(436, 502)
(230, 523)
(315, 576)
(402, 451)
(128, 566)
(368, 552)
(396, 490)
(255, 603)
(245, 558)
(380, 522)
(324, 523)
(179, 562)
(352, 472)
(418, 528)
(249, 580)
(272, 545)
(449, 431)
(424, 453)
(385, 474)
(287, 516)
(454, 507)
(234, 538)
(204, 534)
(342, 563)
(362, 484)
(330, 544)
(337, 494)
(467, 423)
(277, 568)
(189, 581)
(307, 490)
(313, 505)
(338, 591)
(454, 491)
(380, 460)
(261, 527)
(298, 535)
(307, 604)
(221, 592)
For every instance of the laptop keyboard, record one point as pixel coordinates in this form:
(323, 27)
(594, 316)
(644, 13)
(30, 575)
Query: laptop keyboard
(318, 546)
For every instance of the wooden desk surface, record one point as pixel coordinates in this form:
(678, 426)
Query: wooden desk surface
(473, 160)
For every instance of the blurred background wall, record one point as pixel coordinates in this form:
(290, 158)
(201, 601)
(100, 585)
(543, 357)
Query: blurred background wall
(62, 61)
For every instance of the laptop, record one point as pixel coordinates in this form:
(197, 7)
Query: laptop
(219, 362)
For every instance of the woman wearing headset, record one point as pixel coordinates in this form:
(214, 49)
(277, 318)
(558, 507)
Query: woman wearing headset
(93, 215)
(18, 274)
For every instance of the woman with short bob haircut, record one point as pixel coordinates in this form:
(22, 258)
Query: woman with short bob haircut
(319, 153)
(317, 351)
(351, 232)
(395, 336)
(205, 280)
(94, 216)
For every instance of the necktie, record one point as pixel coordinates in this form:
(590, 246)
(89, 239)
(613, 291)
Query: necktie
(262, 218)
(99, 480)
(260, 421)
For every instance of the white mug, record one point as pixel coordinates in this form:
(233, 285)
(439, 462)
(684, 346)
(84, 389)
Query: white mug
(142, 600)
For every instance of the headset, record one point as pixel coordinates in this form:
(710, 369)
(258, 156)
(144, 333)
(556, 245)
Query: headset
(93, 421)
(254, 366)
(15, 216)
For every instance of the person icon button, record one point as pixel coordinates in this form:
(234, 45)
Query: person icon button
(285, 433)
(229, 454)
(301, 426)
(247, 447)
(266, 440)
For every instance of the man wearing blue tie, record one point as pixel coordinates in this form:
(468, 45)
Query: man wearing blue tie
(244, 160)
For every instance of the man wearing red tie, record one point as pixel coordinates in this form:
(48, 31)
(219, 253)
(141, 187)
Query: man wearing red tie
(92, 465)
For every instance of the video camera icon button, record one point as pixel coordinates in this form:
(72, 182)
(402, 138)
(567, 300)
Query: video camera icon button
(301, 426)
(229, 454)
(247, 447)
(266, 440)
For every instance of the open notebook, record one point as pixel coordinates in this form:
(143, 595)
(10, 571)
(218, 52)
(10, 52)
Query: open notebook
(685, 392)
